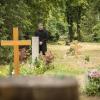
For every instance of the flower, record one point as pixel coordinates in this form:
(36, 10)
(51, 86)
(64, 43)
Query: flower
(48, 57)
(94, 73)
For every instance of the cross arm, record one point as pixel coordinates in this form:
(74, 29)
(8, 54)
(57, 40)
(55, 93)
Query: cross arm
(15, 42)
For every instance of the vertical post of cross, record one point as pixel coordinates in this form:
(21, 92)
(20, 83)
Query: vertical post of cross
(16, 51)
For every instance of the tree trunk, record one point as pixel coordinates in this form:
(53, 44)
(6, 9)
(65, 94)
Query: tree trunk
(70, 27)
(69, 12)
(78, 23)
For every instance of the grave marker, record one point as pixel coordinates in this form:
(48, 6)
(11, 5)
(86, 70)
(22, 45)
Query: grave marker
(16, 43)
(35, 48)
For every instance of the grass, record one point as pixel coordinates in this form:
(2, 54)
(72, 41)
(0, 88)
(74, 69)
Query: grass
(62, 69)
(4, 70)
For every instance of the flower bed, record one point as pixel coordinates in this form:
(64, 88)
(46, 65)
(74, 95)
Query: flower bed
(93, 85)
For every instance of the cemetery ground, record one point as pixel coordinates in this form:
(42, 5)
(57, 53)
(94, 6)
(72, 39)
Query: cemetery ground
(66, 64)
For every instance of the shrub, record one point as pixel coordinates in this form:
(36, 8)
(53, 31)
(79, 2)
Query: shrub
(4, 71)
(6, 53)
(93, 85)
(74, 48)
(48, 58)
(39, 67)
(87, 38)
(96, 31)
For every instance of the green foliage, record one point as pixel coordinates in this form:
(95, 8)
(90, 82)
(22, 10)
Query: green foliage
(87, 37)
(32, 71)
(4, 71)
(38, 68)
(87, 58)
(93, 87)
(90, 20)
(56, 28)
(6, 53)
(96, 31)
(15, 13)
(38, 63)
(11, 67)
(58, 15)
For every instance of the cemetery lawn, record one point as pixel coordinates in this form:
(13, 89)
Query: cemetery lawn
(70, 65)
(66, 64)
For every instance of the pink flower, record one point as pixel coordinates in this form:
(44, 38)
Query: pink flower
(94, 73)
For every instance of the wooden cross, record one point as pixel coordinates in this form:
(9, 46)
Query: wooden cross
(16, 43)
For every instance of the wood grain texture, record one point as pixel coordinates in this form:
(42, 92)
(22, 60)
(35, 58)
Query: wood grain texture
(15, 42)
(16, 52)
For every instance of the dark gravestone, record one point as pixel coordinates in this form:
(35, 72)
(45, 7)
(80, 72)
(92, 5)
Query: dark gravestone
(38, 88)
